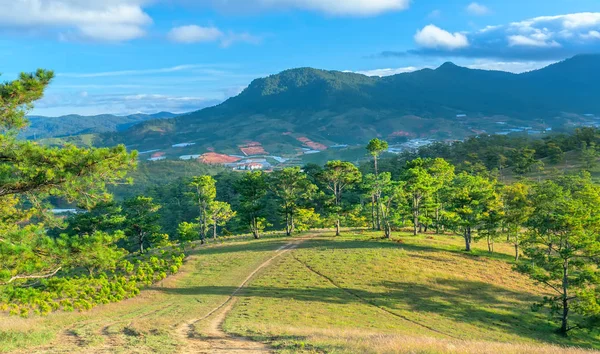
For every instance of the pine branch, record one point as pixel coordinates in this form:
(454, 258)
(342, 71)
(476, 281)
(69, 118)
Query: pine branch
(44, 276)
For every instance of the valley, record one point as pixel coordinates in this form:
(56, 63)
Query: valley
(267, 125)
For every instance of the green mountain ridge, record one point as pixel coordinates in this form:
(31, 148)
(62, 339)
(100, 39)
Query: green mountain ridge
(340, 107)
(73, 124)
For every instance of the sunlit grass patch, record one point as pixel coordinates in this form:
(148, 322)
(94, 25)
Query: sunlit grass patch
(409, 287)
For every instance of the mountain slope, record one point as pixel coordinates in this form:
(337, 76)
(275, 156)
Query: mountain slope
(47, 127)
(341, 107)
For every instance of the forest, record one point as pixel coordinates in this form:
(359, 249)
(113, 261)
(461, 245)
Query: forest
(118, 244)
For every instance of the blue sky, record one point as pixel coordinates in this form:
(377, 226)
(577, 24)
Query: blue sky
(127, 56)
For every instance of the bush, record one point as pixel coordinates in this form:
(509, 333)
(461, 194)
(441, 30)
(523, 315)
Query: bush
(82, 293)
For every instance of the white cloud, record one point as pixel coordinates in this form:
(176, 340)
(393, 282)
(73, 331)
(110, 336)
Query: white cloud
(388, 71)
(516, 67)
(547, 31)
(331, 7)
(520, 40)
(477, 9)
(136, 72)
(537, 39)
(435, 14)
(574, 21)
(591, 35)
(55, 104)
(195, 34)
(432, 36)
(244, 37)
(106, 20)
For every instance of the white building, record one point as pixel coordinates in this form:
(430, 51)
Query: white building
(183, 145)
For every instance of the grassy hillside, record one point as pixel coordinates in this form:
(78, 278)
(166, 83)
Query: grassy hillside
(147, 323)
(351, 294)
(358, 293)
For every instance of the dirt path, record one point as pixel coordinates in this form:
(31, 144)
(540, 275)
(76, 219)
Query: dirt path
(169, 316)
(210, 338)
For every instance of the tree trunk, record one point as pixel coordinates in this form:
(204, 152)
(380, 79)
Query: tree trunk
(376, 169)
(517, 247)
(289, 223)
(214, 229)
(388, 230)
(415, 216)
(203, 223)
(254, 227)
(468, 239)
(564, 328)
(337, 227)
(415, 222)
(141, 241)
(373, 211)
(378, 213)
(437, 221)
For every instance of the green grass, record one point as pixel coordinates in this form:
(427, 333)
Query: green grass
(145, 324)
(332, 292)
(356, 293)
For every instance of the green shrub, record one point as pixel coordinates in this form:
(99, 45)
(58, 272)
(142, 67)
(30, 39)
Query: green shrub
(82, 293)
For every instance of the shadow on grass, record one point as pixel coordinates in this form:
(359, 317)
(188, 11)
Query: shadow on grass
(479, 304)
(408, 243)
(346, 242)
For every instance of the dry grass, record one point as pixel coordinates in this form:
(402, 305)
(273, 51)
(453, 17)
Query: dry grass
(355, 341)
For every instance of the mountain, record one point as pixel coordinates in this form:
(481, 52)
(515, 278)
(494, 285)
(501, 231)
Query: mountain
(47, 127)
(329, 107)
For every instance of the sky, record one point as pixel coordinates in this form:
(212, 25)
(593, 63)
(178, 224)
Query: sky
(130, 56)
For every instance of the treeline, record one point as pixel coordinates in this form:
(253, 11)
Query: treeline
(554, 224)
(495, 153)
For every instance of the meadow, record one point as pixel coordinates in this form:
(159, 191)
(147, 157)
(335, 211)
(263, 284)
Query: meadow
(359, 293)
(356, 293)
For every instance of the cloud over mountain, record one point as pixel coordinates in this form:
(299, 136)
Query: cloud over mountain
(539, 38)
(436, 38)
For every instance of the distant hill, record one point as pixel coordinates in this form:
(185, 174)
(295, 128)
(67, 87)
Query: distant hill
(330, 107)
(47, 127)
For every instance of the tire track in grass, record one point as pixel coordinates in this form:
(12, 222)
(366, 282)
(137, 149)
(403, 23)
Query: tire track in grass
(367, 302)
(218, 341)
